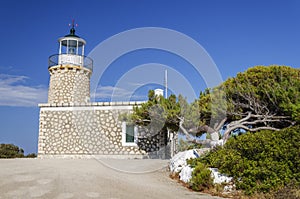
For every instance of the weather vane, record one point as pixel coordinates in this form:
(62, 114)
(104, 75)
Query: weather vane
(72, 30)
(72, 24)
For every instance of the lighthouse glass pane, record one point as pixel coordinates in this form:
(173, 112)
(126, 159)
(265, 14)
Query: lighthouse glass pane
(72, 50)
(79, 51)
(72, 43)
(63, 50)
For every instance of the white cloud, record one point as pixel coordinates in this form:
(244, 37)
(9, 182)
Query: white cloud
(116, 94)
(14, 92)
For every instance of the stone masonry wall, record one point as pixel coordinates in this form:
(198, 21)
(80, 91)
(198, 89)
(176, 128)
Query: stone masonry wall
(92, 129)
(69, 83)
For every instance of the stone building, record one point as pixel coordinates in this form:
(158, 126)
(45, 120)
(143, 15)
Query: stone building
(71, 126)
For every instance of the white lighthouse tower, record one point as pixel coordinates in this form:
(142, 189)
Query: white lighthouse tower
(70, 71)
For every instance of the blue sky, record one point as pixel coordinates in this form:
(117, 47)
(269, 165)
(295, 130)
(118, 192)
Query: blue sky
(236, 34)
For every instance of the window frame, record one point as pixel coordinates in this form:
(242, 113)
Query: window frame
(135, 129)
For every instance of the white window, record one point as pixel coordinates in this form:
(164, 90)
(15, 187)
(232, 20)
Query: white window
(129, 134)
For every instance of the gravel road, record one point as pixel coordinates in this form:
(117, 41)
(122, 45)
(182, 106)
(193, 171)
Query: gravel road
(89, 178)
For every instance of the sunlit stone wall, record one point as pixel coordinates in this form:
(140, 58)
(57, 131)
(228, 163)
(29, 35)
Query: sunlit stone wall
(92, 129)
(69, 84)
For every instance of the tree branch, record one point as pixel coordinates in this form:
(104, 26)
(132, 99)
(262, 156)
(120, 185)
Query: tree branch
(221, 124)
(244, 122)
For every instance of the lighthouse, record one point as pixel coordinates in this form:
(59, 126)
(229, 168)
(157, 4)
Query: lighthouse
(70, 126)
(70, 71)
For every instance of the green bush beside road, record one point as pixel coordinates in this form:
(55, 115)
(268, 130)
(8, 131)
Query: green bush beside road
(13, 151)
(261, 162)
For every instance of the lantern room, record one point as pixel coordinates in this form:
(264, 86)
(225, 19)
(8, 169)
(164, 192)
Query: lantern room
(71, 44)
(71, 52)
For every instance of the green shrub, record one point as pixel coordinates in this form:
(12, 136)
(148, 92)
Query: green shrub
(259, 162)
(201, 178)
(11, 151)
(31, 155)
(185, 145)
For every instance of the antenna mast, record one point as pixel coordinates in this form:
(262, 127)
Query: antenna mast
(166, 84)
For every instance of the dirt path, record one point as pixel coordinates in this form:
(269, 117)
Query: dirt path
(114, 179)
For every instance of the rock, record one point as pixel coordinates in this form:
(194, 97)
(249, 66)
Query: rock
(185, 174)
(216, 143)
(229, 188)
(179, 160)
(218, 177)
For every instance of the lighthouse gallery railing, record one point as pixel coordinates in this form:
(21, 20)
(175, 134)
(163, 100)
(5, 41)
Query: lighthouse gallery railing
(77, 60)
